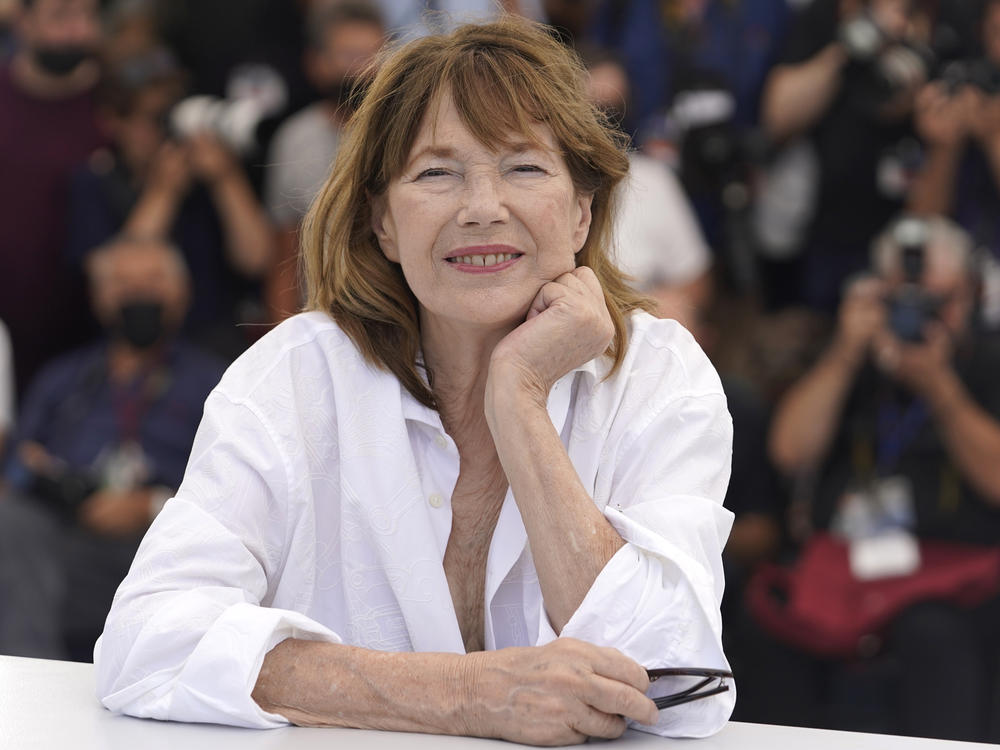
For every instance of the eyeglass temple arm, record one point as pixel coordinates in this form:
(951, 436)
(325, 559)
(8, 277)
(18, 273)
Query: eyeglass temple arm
(668, 701)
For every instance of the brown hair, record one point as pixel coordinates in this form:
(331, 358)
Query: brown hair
(503, 76)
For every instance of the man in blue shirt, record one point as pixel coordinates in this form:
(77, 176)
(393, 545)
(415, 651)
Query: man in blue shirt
(101, 443)
(667, 46)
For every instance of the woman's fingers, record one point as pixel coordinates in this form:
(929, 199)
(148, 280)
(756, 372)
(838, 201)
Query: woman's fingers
(619, 699)
(562, 692)
(613, 664)
(595, 723)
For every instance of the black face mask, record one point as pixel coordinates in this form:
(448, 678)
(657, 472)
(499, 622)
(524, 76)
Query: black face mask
(60, 61)
(140, 323)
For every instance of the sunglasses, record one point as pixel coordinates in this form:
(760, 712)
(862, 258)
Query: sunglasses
(712, 682)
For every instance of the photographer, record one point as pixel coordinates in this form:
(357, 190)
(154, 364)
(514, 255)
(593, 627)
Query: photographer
(344, 38)
(850, 72)
(958, 120)
(47, 125)
(189, 188)
(103, 435)
(905, 402)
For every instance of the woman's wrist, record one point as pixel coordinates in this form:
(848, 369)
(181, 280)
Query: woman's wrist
(512, 387)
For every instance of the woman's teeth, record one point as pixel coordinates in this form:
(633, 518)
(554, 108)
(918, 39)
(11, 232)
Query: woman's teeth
(483, 260)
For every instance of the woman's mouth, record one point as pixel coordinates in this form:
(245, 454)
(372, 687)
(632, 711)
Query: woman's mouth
(483, 261)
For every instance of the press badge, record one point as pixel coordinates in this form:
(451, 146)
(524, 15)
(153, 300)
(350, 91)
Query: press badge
(892, 553)
(124, 466)
(878, 523)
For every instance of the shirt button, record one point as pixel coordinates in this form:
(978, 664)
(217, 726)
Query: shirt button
(436, 500)
(441, 440)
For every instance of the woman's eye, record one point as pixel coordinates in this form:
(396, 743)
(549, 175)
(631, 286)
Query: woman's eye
(527, 168)
(433, 172)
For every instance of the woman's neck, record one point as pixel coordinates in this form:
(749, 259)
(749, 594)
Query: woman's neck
(458, 363)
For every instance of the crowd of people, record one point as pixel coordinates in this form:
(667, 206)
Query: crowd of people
(813, 191)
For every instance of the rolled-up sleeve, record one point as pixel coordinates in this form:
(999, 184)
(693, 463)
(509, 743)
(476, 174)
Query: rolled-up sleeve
(186, 636)
(657, 600)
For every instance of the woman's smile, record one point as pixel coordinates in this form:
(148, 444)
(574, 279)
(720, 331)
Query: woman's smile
(483, 258)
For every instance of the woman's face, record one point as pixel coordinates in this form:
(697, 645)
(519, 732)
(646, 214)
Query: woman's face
(477, 231)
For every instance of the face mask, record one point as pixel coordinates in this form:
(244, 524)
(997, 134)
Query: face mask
(60, 61)
(140, 323)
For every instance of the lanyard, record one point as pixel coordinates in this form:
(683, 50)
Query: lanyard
(896, 429)
(131, 401)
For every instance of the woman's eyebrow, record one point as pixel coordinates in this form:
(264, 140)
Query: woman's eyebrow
(438, 152)
(521, 147)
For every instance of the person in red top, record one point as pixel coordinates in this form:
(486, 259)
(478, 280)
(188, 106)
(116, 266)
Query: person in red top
(47, 127)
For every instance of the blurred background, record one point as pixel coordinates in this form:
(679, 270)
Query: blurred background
(813, 194)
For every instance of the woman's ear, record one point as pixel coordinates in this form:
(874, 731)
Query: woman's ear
(582, 229)
(382, 227)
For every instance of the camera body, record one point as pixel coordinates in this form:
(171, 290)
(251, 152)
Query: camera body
(910, 309)
(979, 73)
(234, 122)
(910, 306)
(64, 490)
(889, 64)
(254, 93)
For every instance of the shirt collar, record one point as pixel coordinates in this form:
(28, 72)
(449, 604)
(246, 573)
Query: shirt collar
(558, 402)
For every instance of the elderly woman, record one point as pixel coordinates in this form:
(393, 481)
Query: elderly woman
(475, 489)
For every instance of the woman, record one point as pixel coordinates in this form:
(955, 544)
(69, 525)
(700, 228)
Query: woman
(474, 442)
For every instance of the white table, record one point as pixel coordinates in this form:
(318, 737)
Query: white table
(51, 705)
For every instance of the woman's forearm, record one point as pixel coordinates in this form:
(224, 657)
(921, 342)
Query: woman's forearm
(555, 694)
(313, 683)
(570, 539)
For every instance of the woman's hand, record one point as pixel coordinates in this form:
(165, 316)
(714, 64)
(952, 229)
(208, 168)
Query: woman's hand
(567, 324)
(557, 694)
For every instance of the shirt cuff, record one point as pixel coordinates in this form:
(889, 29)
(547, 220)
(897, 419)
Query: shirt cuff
(649, 602)
(214, 683)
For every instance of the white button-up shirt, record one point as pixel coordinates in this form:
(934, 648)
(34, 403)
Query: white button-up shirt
(316, 505)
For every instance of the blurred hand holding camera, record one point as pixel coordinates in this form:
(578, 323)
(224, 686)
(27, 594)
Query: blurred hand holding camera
(984, 119)
(170, 171)
(210, 160)
(862, 317)
(943, 119)
(117, 513)
(924, 367)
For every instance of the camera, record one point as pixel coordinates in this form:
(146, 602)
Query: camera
(981, 74)
(64, 490)
(890, 65)
(910, 306)
(715, 156)
(254, 93)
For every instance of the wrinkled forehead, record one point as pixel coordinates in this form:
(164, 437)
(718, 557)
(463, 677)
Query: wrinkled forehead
(445, 113)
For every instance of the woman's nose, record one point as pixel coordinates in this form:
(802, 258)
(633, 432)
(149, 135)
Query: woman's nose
(483, 201)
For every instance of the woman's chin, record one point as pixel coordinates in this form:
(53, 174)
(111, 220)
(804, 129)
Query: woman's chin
(481, 318)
